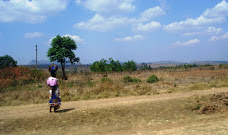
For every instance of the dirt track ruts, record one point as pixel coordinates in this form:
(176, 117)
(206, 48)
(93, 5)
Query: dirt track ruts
(22, 111)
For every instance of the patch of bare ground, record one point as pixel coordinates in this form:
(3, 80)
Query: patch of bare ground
(216, 103)
(175, 113)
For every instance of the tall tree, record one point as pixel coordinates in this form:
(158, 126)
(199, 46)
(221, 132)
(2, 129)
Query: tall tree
(62, 51)
(130, 66)
(101, 66)
(7, 61)
(115, 65)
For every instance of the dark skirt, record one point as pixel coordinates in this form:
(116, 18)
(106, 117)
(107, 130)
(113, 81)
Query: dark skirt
(55, 100)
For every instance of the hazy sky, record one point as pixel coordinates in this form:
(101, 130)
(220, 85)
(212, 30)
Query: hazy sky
(139, 30)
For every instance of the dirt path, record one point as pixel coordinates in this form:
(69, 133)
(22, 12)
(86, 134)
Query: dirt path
(14, 112)
(206, 125)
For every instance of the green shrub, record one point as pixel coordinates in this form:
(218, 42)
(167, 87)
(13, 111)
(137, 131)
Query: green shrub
(152, 79)
(129, 79)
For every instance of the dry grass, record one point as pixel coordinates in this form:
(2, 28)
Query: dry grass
(109, 119)
(91, 86)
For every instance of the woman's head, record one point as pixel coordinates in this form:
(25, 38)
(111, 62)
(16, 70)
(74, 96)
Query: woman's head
(53, 74)
(52, 69)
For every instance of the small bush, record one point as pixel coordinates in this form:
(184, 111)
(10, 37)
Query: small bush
(129, 79)
(152, 79)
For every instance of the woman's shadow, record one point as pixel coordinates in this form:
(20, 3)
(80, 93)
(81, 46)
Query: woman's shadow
(64, 110)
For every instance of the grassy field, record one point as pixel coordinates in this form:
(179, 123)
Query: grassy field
(87, 86)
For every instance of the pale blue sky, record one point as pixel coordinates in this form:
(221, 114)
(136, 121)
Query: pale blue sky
(139, 30)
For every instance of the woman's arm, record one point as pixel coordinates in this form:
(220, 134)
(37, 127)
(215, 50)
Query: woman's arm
(49, 88)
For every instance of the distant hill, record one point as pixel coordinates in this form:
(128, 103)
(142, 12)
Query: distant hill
(175, 63)
(209, 62)
(40, 62)
(165, 62)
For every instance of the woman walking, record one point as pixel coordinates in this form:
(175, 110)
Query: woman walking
(52, 84)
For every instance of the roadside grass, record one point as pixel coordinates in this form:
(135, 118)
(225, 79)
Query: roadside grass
(109, 119)
(89, 86)
(223, 82)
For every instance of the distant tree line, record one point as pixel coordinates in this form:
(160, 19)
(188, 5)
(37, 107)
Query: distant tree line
(145, 66)
(192, 65)
(185, 66)
(105, 66)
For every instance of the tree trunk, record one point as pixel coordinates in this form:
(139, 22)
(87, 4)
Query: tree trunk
(63, 70)
(72, 68)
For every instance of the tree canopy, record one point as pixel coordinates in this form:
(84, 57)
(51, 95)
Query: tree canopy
(7, 61)
(115, 65)
(130, 66)
(101, 66)
(62, 51)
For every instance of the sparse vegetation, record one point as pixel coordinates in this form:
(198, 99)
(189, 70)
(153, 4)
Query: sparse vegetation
(105, 79)
(88, 85)
(12, 78)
